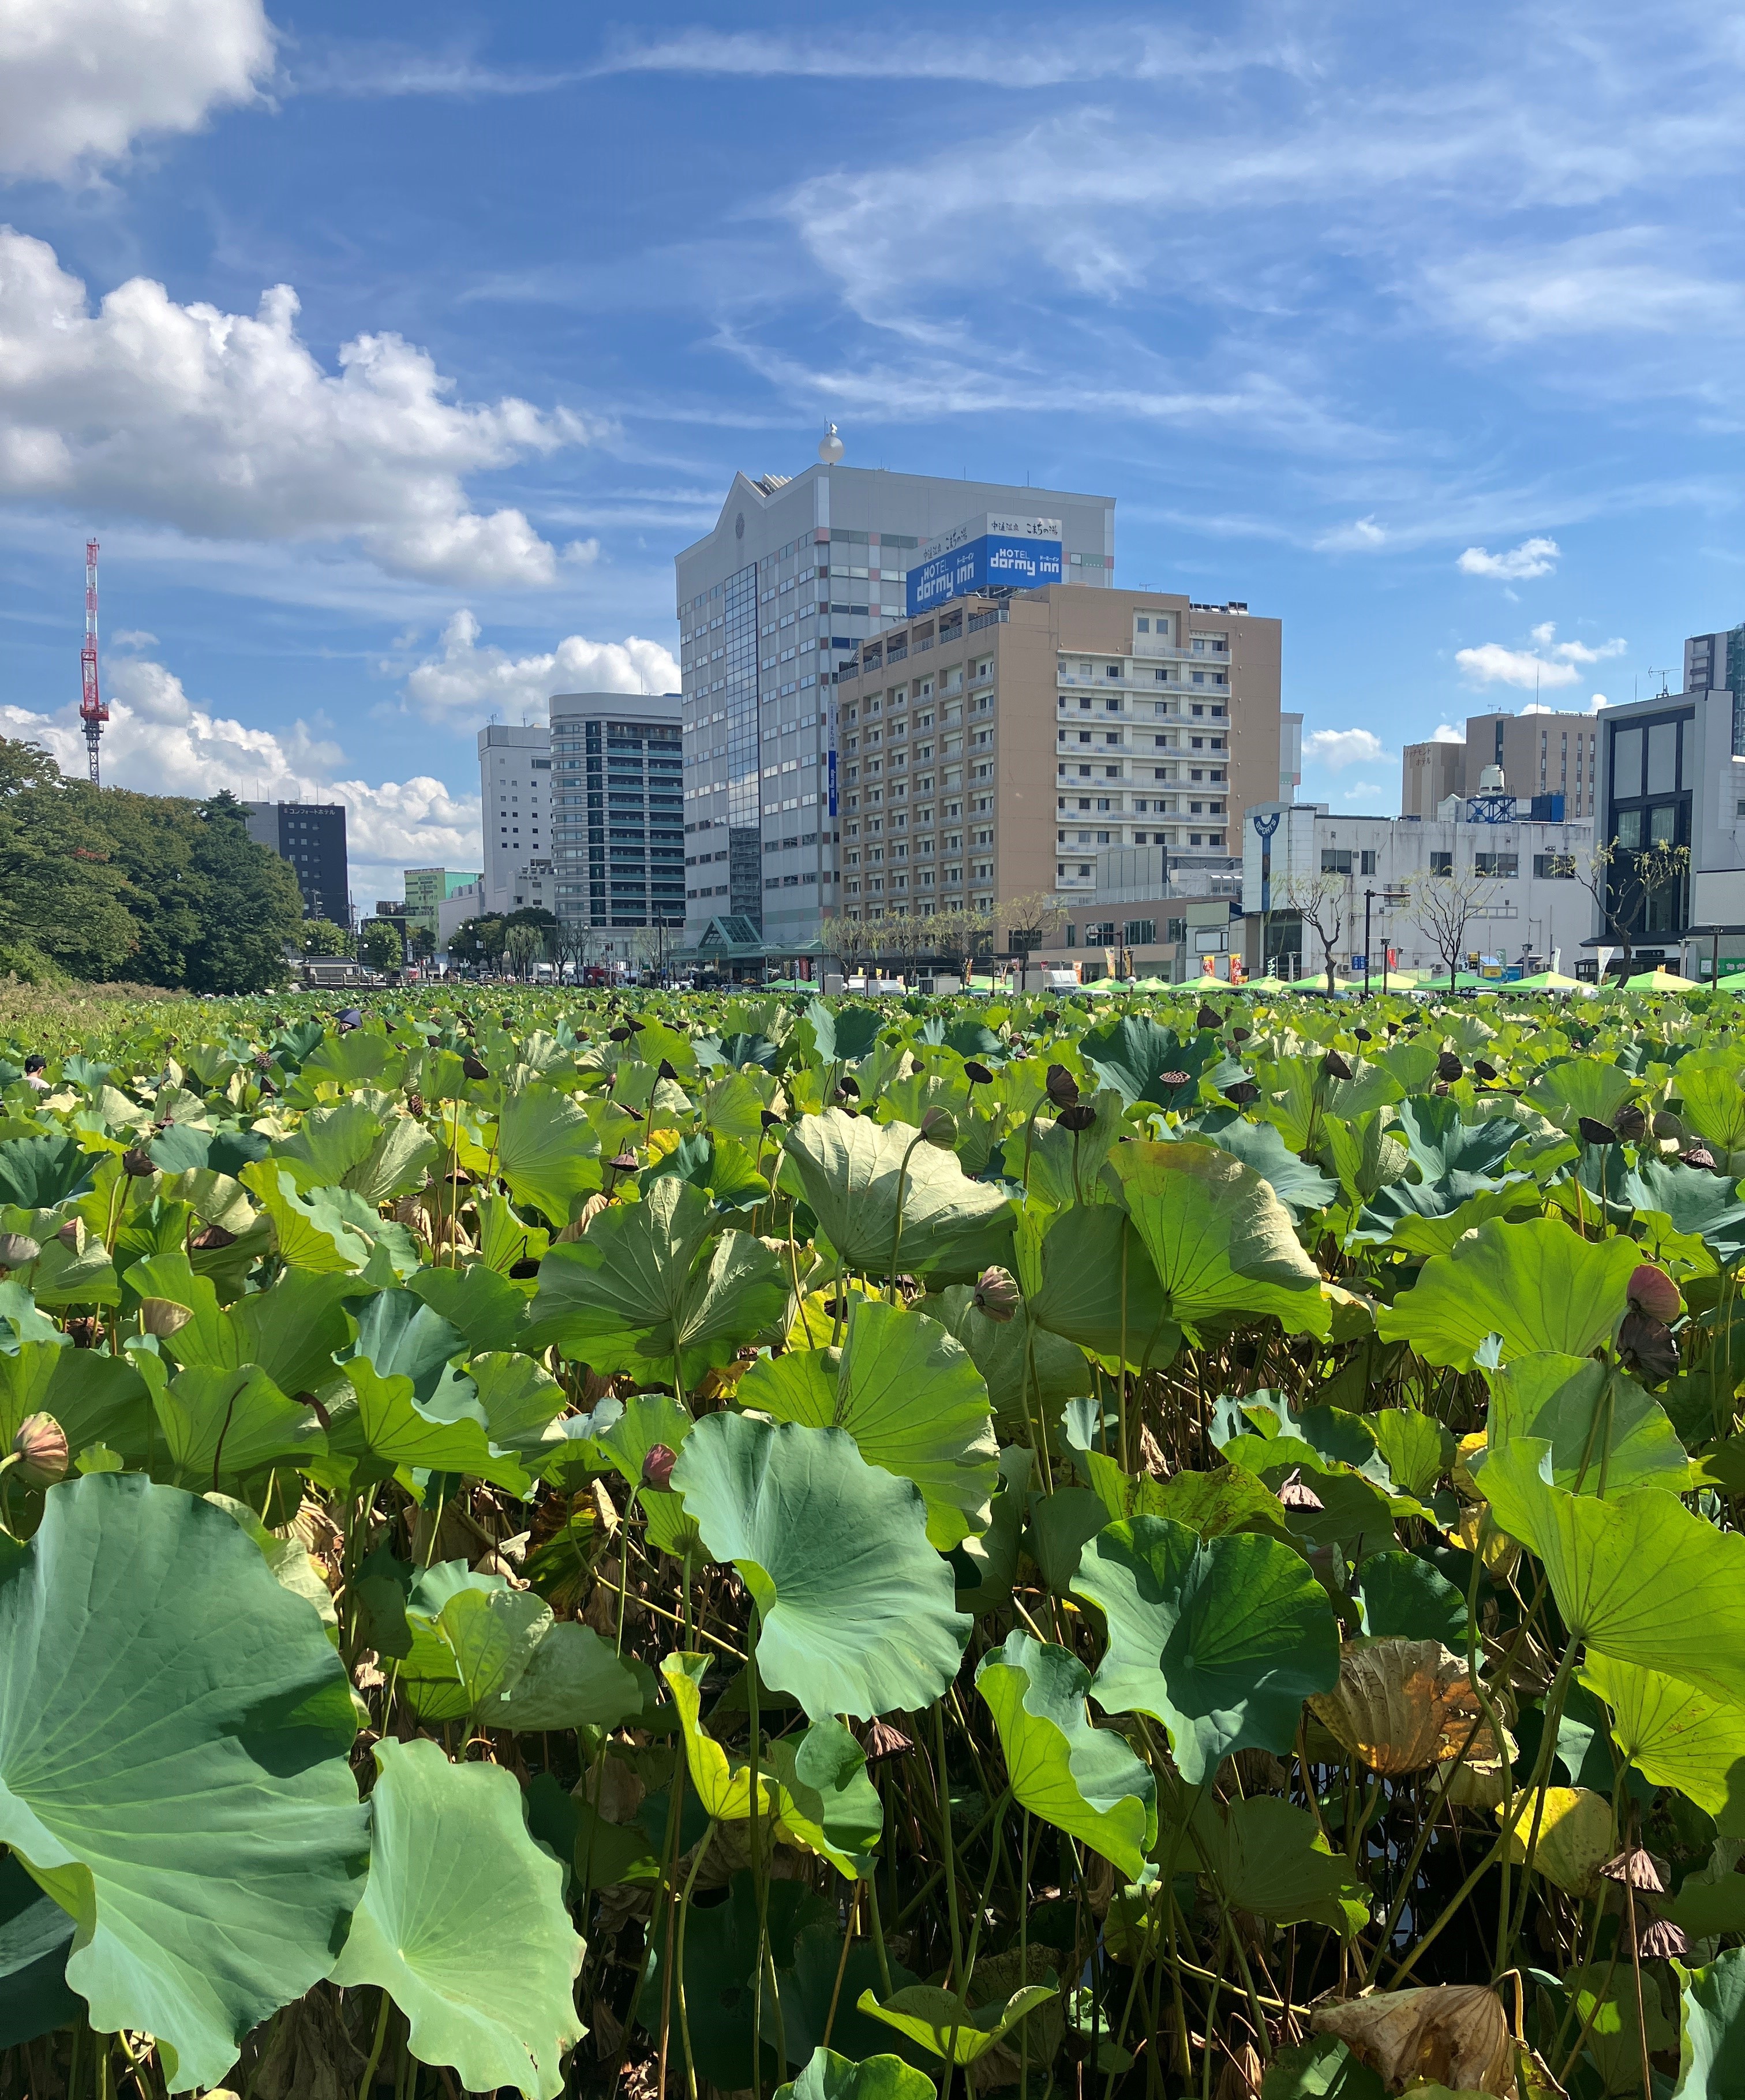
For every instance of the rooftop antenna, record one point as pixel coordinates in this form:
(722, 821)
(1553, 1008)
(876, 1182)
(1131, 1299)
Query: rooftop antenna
(92, 712)
(1662, 676)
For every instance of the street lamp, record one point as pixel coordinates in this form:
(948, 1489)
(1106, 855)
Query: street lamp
(1388, 897)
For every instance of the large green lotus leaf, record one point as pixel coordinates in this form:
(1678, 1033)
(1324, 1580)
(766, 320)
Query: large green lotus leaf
(1692, 1201)
(1299, 1185)
(463, 1923)
(1402, 1595)
(522, 1403)
(1433, 1217)
(402, 1338)
(348, 1146)
(174, 1728)
(226, 1427)
(1223, 1244)
(1441, 1142)
(1590, 1087)
(1705, 1910)
(312, 1233)
(356, 1059)
(1060, 1526)
(35, 1936)
(547, 1151)
(1083, 1780)
(945, 2027)
(1064, 1167)
(911, 1398)
(1095, 1267)
(644, 1421)
(1270, 1858)
(1596, 1420)
(487, 1307)
(1676, 1734)
(493, 1635)
(1711, 2030)
(848, 1168)
(651, 1281)
(1538, 1285)
(383, 1428)
(290, 1331)
(1323, 2067)
(721, 1783)
(1027, 1369)
(37, 1173)
(96, 1399)
(1714, 1104)
(1132, 1054)
(574, 1680)
(1221, 1640)
(1637, 1577)
(829, 2076)
(404, 1621)
(856, 1609)
(1417, 1449)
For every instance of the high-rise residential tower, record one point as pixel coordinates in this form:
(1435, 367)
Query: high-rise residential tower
(514, 788)
(311, 836)
(617, 813)
(795, 575)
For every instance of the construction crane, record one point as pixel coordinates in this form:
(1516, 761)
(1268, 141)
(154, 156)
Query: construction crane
(92, 712)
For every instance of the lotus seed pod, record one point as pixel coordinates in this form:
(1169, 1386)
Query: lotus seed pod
(40, 1444)
(1207, 1016)
(1594, 1132)
(623, 1162)
(1336, 1067)
(1660, 1939)
(163, 1317)
(938, 1126)
(977, 1074)
(1666, 1124)
(1653, 1292)
(657, 1466)
(996, 1295)
(1080, 1116)
(1630, 1123)
(73, 1236)
(17, 1249)
(1173, 1080)
(474, 1069)
(137, 1163)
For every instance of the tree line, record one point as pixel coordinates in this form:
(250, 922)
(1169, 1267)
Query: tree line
(160, 889)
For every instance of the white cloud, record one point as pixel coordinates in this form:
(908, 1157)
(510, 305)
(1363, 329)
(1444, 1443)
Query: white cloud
(161, 742)
(465, 679)
(132, 637)
(226, 425)
(1338, 748)
(1536, 557)
(1548, 662)
(80, 80)
(1597, 701)
(1447, 733)
(1491, 665)
(1361, 791)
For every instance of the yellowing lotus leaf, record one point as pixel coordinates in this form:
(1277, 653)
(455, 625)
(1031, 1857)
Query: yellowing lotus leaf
(1455, 2034)
(1403, 1705)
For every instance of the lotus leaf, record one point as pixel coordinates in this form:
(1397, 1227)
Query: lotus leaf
(1099, 1290)
(856, 1607)
(1600, 1423)
(948, 2028)
(849, 1168)
(1677, 1735)
(829, 2076)
(463, 1925)
(1219, 1639)
(1455, 2033)
(547, 1151)
(1268, 1857)
(198, 1820)
(1576, 1835)
(1083, 1780)
(1711, 2030)
(653, 1282)
(1400, 1594)
(1537, 1285)
(912, 1400)
(1220, 1240)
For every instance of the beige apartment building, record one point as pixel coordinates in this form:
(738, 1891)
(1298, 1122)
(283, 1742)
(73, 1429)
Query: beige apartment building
(997, 747)
(1540, 753)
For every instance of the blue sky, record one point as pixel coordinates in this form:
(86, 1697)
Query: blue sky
(391, 369)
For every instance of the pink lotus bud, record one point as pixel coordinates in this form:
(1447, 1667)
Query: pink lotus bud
(657, 1466)
(42, 1447)
(17, 1250)
(996, 1295)
(1653, 1292)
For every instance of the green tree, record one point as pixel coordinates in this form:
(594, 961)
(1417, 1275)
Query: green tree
(248, 903)
(63, 901)
(381, 945)
(478, 941)
(321, 937)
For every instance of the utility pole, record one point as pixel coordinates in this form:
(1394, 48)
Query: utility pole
(93, 714)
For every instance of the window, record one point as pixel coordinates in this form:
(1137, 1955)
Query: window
(1497, 863)
(1630, 829)
(1335, 860)
(1141, 933)
(1368, 861)
(1554, 867)
(1442, 863)
(1111, 671)
(1144, 626)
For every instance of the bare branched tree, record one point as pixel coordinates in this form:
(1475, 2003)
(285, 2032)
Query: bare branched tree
(1318, 901)
(1444, 906)
(1624, 883)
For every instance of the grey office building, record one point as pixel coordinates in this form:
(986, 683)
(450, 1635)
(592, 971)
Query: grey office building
(771, 604)
(311, 836)
(617, 814)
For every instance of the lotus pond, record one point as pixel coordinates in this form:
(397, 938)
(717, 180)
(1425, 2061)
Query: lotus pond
(558, 1544)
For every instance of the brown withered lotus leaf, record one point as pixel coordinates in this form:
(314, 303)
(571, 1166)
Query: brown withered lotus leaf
(1403, 1705)
(1660, 1939)
(1454, 2035)
(1639, 1869)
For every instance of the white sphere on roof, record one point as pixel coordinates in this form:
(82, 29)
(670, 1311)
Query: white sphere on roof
(829, 448)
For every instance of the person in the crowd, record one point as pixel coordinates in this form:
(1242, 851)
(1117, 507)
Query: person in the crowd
(34, 1072)
(352, 1017)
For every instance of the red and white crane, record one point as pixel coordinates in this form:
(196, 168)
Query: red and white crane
(92, 710)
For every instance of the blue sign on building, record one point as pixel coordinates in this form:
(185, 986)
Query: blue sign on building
(987, 553)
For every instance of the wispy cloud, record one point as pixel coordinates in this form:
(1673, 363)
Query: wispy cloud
(1549, 663)
(1338, 748)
